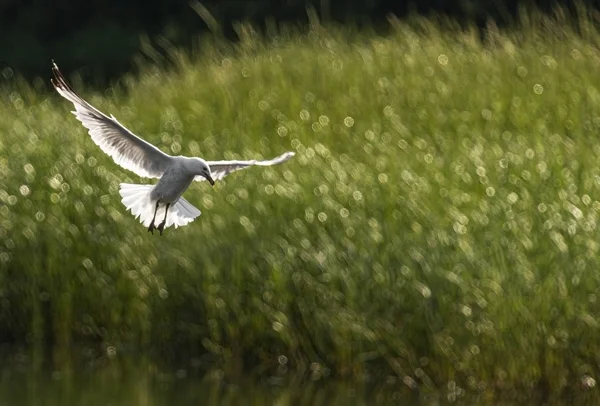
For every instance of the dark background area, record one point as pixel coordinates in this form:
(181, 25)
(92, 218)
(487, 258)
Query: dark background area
(99, 38)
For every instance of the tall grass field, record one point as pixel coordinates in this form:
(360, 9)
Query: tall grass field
(438, 227)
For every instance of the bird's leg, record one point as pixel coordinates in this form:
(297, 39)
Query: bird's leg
(161, 226)
(151, 227)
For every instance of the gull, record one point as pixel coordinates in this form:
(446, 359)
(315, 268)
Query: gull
(175, 173)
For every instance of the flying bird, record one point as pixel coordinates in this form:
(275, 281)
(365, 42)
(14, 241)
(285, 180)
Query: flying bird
(175, 173)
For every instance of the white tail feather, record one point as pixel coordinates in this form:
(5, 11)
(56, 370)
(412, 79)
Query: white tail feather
(137, 199)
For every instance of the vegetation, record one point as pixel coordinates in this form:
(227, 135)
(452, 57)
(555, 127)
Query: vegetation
(437, 228)
(98, 38)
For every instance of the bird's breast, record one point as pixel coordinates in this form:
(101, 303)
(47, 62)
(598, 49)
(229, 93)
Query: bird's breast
(171, 186)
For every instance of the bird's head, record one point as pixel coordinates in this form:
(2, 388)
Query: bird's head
(201, 168)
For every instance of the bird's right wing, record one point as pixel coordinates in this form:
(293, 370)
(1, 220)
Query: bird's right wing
(219, 169)
(123, 146)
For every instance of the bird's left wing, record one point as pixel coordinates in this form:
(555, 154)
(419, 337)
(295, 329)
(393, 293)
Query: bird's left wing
(219, 169)
(123, 146)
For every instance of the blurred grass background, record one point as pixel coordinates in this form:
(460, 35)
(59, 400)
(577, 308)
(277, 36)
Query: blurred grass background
(438, 224)
(98, 39)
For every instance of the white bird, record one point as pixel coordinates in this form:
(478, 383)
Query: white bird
(175, 173)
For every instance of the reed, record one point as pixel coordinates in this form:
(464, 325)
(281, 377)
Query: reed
(438, 223)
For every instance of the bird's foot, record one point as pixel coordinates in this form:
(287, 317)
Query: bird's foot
(161, 227)
(151, 228)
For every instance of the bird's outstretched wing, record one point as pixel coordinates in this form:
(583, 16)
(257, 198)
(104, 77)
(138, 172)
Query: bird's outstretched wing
(123, 146)
(219, 169)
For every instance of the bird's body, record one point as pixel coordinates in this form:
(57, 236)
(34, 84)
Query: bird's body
(163, 200)
(178, 176)
(142, 199)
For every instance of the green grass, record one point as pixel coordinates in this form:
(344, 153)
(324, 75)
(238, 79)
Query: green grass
(439, 223)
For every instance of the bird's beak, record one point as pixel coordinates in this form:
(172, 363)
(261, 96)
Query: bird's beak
(210, 180)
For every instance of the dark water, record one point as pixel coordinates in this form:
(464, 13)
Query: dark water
(138, 382)
(112, 381)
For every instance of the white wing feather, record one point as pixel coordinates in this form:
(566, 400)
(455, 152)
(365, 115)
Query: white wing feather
(219, 169)
(123, 146)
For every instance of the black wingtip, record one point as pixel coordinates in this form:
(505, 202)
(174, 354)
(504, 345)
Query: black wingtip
(56, 72)
(58, 81)
(54, 68)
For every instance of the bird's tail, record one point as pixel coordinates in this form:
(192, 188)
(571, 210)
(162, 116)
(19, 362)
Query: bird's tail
(137, 200)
